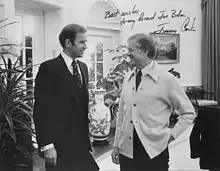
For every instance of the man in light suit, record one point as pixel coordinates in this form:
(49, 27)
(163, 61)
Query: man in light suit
(61, 106)
(149, 95)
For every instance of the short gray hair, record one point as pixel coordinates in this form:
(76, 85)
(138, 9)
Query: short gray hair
(145, 43)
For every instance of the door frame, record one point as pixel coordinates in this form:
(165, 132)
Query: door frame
(38, 43)
(38, 36)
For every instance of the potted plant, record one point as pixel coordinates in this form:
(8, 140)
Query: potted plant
(112, 83)
(15, 112)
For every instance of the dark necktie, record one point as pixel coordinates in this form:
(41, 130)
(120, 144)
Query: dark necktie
(138, 78)
(76, 74)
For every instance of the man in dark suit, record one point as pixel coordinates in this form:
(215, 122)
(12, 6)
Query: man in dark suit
(61, 106)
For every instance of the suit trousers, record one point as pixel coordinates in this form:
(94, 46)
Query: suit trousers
(141, 160)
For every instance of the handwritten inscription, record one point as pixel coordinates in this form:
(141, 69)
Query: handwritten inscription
(133, 12)
(163, 15)
(144, 18)
(176, 14)
(187, 25)
(162, 29)
(124, 21)
(109, 14)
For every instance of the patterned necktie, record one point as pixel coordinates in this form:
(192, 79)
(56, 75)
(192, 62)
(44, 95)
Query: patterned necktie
(138, 78)
(76, 74)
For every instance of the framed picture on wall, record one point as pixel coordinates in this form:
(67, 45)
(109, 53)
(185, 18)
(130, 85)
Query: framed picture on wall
(168, 47)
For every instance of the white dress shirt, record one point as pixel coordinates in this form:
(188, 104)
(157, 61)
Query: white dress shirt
(68, 60)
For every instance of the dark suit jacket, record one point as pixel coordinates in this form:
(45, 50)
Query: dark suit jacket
(61, 114)
(205, 138)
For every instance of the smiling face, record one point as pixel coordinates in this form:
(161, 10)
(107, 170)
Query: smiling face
(141, 49)
(137, 56)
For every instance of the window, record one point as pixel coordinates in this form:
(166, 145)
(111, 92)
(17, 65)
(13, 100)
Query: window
(29, 34)
(95, 66)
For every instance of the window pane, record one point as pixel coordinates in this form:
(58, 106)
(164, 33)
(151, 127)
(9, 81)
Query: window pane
(28, 54)
(29, 74)
(21, 57)
(28, 41)
(92, 57)
(91, 68)
(99, 52)
(99, 72)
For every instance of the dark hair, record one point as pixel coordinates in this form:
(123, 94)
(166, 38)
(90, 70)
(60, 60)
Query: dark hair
(145, 43)
(69, 32)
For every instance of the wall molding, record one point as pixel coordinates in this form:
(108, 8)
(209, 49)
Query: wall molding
(96, 15)
(109, 2)
(39, 4)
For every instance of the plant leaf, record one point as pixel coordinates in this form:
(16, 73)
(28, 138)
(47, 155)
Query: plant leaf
(24, 105)
(25, 152)
(10, 132)
(1, 21)
(25, 111)
(8, 118)
(8, 24)
(25, 125)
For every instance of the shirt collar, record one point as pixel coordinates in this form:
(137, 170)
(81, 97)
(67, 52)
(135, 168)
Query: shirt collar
(68, 60)
(148, 68)
(151, 70)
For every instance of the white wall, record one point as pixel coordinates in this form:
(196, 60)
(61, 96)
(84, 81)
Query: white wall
(190, 42)
(77, 11)
(9, 14)
(53, 24)
(2, 17)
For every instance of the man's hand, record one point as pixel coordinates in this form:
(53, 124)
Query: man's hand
(115, 155)
(170, 139)
(50, 156)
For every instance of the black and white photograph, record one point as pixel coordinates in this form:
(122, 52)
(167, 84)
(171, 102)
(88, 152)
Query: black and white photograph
(109, 85)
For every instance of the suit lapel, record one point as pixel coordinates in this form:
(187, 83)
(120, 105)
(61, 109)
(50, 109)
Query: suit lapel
(67, 78)
(84, 75)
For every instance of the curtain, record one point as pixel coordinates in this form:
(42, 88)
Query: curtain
(211, 46)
